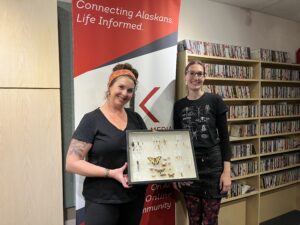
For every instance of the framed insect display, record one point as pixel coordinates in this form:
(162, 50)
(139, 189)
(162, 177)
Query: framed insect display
(160, 156)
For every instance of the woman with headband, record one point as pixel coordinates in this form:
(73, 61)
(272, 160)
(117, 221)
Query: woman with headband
(98, 152)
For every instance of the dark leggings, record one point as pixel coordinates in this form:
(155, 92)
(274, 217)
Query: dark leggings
(202, 211)
(114, 214)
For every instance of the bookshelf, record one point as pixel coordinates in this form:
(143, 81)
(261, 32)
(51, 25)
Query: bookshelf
(263, 99)
(279, 138)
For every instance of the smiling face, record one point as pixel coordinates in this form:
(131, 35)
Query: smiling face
(195, 77)
(121, 91)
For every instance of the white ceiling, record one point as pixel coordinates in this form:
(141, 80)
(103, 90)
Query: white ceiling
(287, 9)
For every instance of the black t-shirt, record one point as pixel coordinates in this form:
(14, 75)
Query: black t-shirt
(109, 151)
(206, 119)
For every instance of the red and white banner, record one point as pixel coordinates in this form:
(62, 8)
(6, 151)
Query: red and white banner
(143, 33)
(159, 206)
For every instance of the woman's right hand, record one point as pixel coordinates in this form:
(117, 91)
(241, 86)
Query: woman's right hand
(118, 174)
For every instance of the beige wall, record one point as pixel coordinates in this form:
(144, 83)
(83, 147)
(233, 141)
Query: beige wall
(220, 23)
(30, 130)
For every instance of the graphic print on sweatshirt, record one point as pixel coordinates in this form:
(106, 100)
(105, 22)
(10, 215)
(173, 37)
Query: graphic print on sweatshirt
(196, 119)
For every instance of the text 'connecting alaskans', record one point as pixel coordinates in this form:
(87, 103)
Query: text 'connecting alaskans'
(119, 12)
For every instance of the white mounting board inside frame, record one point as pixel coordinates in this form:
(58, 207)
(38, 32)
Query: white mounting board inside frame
(160, 156)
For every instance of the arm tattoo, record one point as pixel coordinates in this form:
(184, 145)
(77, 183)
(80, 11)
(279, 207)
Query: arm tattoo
(77, 147)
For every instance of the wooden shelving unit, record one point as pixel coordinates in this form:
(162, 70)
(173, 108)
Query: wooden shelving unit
(258, 205)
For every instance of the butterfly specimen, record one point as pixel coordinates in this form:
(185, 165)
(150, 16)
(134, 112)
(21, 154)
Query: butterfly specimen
(171, 174)
(154, 160)
(160, 170)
